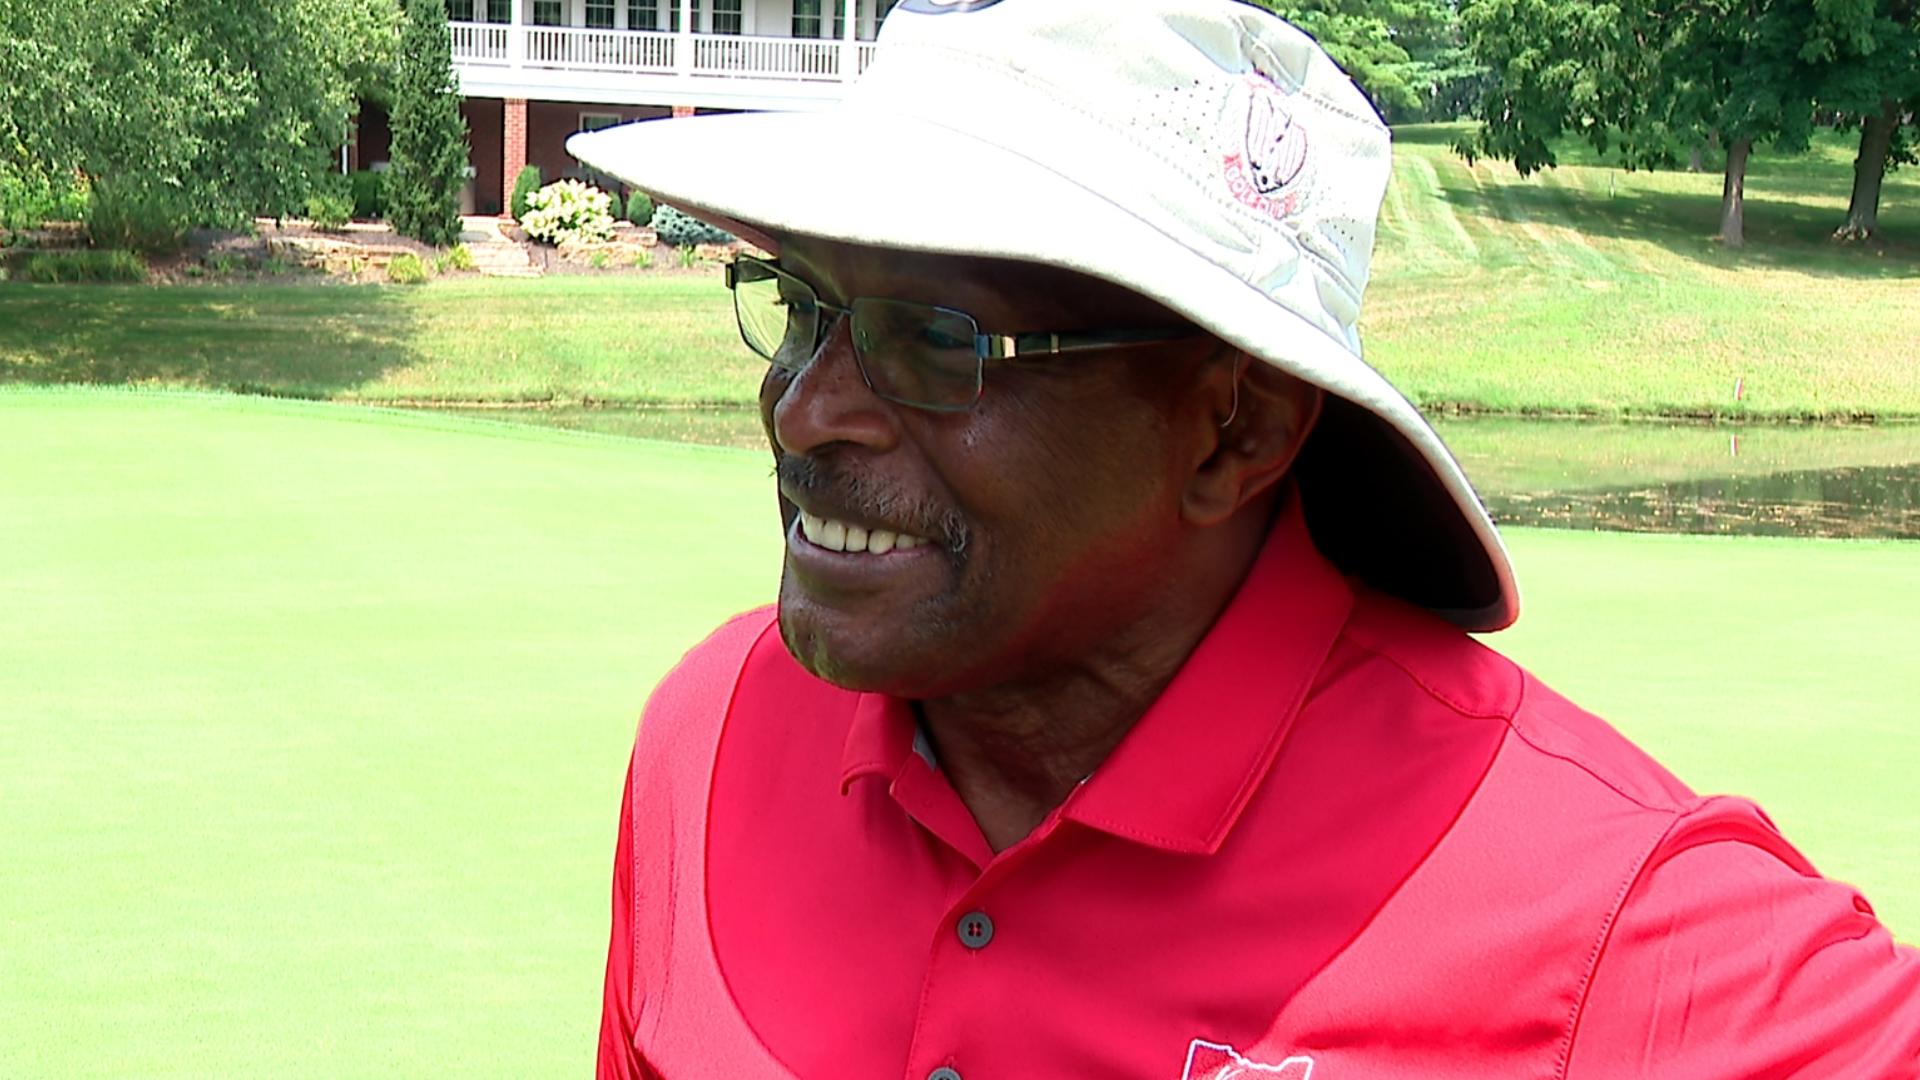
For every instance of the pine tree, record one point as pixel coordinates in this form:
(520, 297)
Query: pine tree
(429, 155)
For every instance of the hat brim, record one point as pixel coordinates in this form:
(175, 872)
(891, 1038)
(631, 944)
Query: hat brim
(1385, 500)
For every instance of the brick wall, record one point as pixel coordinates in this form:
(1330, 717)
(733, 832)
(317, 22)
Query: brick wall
(513, 130)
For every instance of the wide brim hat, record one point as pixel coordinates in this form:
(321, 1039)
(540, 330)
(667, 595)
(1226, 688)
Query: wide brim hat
(1202, 153)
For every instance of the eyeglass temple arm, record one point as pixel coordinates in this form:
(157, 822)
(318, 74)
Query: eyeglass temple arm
(1003, 346)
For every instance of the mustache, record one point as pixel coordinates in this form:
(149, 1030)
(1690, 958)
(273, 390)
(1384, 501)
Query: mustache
(859, 493)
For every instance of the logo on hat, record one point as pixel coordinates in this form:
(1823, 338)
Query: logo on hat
(944, 7)
(1272, 155)
(1216, 1061)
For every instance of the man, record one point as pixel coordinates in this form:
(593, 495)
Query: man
(1117, 718)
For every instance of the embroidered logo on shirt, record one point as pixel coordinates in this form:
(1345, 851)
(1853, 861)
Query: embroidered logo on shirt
(1217, 1061)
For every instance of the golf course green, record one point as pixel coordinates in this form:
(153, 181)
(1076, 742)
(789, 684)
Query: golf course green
(316, 716)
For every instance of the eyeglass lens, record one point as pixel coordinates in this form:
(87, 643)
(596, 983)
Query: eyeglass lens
(913, 354)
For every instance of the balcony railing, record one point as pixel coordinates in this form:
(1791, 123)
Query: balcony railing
(479, 43)
(654, 53)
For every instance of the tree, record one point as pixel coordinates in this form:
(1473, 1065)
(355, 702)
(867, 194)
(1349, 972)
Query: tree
(181, 112)
(429, 137)
(1647, 78)
(1873, 77)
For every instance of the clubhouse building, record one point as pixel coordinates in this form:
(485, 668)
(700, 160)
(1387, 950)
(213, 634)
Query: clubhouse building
(533, 72)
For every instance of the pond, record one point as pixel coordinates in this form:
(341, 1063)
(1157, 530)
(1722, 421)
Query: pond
(1832, 480)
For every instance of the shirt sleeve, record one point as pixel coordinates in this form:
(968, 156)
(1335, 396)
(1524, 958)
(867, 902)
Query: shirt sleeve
(619, 1010)
(1731, 958)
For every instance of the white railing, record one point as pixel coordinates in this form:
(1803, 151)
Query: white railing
(599, 50)
(478, 43)
(569, 48)
(765, 58)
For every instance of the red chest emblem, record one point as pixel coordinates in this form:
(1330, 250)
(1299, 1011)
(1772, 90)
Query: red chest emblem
(1216, 1061)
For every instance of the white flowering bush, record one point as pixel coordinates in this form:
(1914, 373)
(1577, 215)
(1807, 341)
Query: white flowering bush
(569, 210)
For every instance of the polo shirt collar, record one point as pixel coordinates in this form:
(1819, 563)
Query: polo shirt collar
(1181, 777)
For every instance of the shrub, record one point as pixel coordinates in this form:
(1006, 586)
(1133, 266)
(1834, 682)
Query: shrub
(616, 208)
(640, 208)
(568, 210)
(29, 198)
(524, 185)
(226, 263)
(643, 260)
(429, 137)
(64, 266)
(330, 207)
(458, 257)
(680, 230)
(369, 191)
(148, 218)
(407, 269)
(689, 256)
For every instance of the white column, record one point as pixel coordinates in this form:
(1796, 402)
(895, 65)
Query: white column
(516, 35)
(683, 45)
(849, 41)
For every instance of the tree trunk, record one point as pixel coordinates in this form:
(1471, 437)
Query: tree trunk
(1696, 158)
(1733, 194)
(1869, 167)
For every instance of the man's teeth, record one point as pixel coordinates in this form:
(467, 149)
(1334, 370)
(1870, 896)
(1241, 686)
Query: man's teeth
(839, 536)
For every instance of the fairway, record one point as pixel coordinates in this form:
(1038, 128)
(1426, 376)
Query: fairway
(313, 717)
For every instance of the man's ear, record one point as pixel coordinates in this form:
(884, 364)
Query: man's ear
(1262, 416)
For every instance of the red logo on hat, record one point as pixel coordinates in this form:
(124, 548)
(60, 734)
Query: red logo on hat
(1217, 1061)
(1274, 154)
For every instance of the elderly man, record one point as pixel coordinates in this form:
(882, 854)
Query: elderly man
(1117, 717)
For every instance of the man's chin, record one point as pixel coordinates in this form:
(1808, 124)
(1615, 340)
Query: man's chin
(848, 651)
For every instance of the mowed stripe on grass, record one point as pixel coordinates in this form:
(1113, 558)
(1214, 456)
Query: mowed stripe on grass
(316, 717)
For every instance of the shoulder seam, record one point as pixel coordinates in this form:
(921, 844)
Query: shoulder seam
(1605, 936)
(1526, 683)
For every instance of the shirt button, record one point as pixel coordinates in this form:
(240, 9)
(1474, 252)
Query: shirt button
(976, 929)
(944, 1073)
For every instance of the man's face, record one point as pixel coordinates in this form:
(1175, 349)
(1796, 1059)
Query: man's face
(1044, 516)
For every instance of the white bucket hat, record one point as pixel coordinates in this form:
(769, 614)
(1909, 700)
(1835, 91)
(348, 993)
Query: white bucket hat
(1202, 153)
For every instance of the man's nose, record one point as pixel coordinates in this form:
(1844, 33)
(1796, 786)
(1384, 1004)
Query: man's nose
(829, 402)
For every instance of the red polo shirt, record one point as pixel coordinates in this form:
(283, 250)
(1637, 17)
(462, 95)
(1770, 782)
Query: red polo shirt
(1347, 842)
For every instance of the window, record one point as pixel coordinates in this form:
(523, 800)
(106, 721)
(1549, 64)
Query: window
(672, 12)
(643, 14)
(726, 16)
(600, 14)
(594, 121)
(500, 10)
(549, 13)
(459, 10)
(806, 18)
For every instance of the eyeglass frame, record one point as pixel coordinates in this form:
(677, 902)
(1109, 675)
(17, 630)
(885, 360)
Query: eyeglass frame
(996, 347)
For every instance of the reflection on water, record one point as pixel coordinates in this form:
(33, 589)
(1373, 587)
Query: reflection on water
(1871, 501)
(1779, 480)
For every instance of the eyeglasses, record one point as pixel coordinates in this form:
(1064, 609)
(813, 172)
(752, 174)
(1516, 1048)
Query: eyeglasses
(917, 355)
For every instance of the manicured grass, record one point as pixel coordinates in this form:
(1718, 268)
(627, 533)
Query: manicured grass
(316, 717)
(666, 339)
(1584, 289)
(1590, 289)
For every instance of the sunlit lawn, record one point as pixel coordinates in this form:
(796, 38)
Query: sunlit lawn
(1583, 289)
(315, 717)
